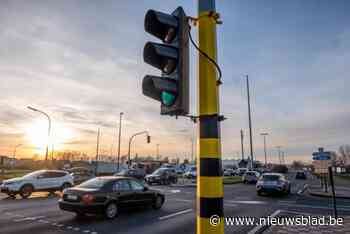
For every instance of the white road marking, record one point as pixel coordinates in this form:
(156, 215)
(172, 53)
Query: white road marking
(60, 225)
(175, 190)
(86, 231)
(76, 229)
(181, 200)
(175, 214)
(257, 228)
(29, 218)
(317, 207)
(246, 202)
(93, 232)
(69, 227)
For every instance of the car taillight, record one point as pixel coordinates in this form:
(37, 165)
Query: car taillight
(87, 198)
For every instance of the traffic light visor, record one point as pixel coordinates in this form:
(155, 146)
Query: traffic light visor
(161, 25)
(161, 56)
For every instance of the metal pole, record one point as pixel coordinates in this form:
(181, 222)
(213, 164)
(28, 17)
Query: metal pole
(97, 149)
(279, 154)
(14, 151)
(130, 140)
(48, 131)
(333, 192)
(157, 151)
(264, 135)
(209, 181)
(242, 147)
(119, 138)
(250, 125)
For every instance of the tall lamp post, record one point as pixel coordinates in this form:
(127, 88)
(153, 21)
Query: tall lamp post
(279, 153)
(15, 149)
(158, 151)
(250, 125)
(48, 130)
(130, 141)
(264, 134)
(119, 138)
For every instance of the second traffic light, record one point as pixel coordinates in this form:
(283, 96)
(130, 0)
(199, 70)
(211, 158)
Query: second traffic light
(171, 57)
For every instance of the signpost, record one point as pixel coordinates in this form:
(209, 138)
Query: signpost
(322, 160)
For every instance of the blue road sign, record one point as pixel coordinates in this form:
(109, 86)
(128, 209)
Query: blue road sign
(321, 156)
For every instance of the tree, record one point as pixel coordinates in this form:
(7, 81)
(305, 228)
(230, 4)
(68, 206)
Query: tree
(297, 165)
(344, 151)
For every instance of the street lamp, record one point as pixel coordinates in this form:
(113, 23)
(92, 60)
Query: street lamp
(279, 153)
(264, 134)
(158, 151)
(15, 149)
(130, 140)
(119, 138)
(48, 131)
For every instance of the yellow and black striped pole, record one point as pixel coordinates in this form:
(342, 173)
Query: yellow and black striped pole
(209, 184)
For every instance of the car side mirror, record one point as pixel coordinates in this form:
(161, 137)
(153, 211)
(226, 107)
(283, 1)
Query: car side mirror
(145, 189)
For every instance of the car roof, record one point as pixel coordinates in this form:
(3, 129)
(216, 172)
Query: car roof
(276, 174)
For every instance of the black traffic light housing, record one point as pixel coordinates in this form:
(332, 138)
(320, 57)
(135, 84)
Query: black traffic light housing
(171, 57)
(148, 139)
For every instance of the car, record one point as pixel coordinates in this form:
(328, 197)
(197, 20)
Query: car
(81, 174)
(42, 180)
(162, 176)
(229, 172)
(191, 173)
(107, 195)
(250, 177)
(273, 182)
(241, 171)
(300, 175)
(135, 173)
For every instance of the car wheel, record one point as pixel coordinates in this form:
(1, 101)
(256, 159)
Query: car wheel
(79, 215)
(12, 195)
(26, 191)
(65, 186)
(158, 203)
(259, 193)
(111, 210)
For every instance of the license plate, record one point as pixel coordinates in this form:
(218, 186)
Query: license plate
(72, 197)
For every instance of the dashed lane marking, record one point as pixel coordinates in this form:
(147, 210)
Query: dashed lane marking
(175, 214)
(28, 219)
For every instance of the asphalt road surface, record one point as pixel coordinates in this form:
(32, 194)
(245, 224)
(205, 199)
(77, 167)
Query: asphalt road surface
(40, 213)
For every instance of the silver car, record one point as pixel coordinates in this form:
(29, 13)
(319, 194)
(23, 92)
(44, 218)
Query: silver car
(273, 182)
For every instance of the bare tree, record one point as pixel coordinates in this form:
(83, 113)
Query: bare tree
(344, 152)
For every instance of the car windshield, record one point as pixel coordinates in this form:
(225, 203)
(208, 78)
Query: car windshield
(159, 171)
(95, 183)
(32, 174)
(270, 177)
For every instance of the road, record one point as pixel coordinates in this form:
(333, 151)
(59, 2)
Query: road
(40, 213)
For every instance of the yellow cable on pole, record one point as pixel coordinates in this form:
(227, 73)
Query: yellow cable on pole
(209, 183)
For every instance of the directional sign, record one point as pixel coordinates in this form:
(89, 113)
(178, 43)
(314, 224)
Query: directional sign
(321, 156)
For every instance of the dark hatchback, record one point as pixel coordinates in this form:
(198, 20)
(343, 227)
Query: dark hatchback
(106, 195)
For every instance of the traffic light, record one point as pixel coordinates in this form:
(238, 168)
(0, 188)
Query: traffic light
(148, 139)
(171, 57)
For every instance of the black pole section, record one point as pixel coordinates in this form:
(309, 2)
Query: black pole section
(333, 191)
(242, 147)
(325, 183)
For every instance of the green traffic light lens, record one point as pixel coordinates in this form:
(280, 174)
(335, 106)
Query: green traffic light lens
(168, 99)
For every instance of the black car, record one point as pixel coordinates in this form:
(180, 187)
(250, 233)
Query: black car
(135, 173)
(106, 195)
(162, 176)
(300, 175)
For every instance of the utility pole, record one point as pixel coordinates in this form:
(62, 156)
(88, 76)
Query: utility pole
(97, 149)
(279, 154)
(242, 147)
(119, 138)
(130, 141)
(209, 182)
(264, 134)
(48, 130)
(15, 149)
(250, 125)
(158, 151)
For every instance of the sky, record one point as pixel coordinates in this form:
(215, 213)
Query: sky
(81, 62)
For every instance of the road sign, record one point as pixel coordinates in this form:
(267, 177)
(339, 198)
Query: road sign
(321, 156)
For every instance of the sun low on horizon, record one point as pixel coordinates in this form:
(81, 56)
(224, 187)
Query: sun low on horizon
(37, 136)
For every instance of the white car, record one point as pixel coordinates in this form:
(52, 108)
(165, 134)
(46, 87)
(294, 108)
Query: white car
(43, 180)
(250, 177)
(191, 173)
